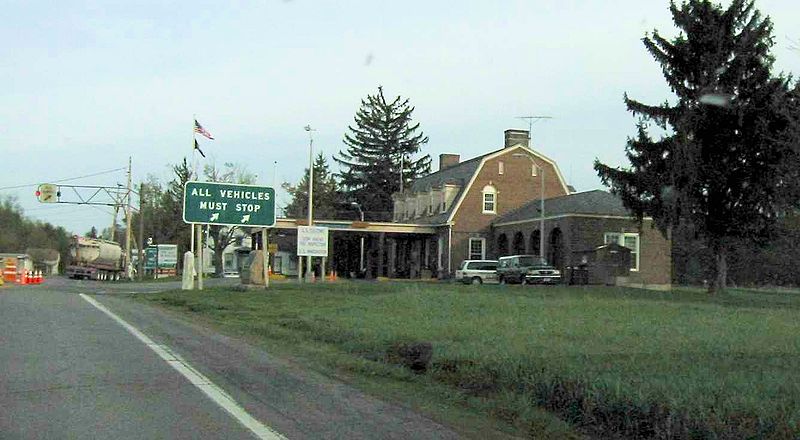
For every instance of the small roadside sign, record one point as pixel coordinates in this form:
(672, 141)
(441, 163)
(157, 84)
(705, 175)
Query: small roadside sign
(272, 248)
(312, 241)
(228, 204)
(47, 193)
(167, 256)
(150, 257)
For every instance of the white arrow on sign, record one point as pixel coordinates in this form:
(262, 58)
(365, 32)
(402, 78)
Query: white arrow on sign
(214, 216)
(245, 218)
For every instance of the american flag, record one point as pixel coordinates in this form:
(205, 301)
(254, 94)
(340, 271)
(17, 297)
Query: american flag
(199, 129)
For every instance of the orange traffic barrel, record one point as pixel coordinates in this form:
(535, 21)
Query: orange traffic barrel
(10, 273)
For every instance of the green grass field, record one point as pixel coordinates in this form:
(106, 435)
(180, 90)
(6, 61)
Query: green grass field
(610, 362)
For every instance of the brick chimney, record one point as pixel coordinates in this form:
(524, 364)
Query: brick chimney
(514, 137)
(447, 160)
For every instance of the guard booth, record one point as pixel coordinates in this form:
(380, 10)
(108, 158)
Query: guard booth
(601, 265)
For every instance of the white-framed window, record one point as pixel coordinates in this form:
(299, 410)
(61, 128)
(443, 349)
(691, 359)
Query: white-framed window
(477, 248)
(501, 167)
(629, 240)
(489, 200)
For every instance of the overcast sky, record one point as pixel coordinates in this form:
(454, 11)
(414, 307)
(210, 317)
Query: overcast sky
(85, 86)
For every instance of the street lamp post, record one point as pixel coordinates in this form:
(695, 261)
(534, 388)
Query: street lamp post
(361, 259)
(308, 128)
(540, 170)
(541, 211)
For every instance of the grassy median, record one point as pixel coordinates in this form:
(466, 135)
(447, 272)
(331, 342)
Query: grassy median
(609, 362)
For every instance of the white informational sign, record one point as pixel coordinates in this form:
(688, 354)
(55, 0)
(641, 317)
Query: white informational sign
(312, 241)
(167, 255)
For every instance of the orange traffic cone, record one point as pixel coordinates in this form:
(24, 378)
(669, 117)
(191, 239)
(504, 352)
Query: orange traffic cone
(24, 278)
(38, 277)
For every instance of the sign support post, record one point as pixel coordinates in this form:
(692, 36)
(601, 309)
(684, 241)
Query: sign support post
(265, 247)
(199, 257)
(299, 269)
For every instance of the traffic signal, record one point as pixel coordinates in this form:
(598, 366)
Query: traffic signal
(48, 193)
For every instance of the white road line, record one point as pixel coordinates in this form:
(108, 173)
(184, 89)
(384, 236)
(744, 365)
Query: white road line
(197, 379)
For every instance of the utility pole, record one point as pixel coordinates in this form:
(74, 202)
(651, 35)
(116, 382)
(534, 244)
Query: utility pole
(113, 223)
(128, 225)
(140, 265)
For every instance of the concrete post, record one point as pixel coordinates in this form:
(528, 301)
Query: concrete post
(392, 257)
(381, 258)
(370, 272)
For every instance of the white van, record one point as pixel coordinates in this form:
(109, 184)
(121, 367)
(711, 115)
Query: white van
(477, 272)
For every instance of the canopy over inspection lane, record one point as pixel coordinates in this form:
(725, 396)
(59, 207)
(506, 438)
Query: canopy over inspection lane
(358, 226)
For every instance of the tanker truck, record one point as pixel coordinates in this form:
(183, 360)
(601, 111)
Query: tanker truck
(94, 258)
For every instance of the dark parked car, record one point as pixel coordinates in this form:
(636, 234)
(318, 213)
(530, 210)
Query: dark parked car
(526, 269)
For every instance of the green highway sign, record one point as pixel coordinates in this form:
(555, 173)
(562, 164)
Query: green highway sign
(228, 204)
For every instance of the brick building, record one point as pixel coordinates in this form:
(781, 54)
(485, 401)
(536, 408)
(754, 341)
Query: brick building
(489, 206)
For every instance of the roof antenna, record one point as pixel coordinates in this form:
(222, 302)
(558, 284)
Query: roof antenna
(531, 120)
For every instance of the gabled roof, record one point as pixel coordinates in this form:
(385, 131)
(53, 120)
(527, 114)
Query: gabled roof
(595, 203)
(463, 174)
(459, 174)
(498, 153)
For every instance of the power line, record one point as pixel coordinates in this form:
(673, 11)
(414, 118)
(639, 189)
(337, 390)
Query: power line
(65, 180)
(100, 209)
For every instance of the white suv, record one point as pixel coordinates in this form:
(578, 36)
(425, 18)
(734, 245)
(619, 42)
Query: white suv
(477, 272)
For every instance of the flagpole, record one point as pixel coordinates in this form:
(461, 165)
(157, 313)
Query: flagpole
(191, 225)
(194, 169)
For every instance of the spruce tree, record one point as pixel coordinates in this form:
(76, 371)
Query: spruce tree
(380, 154)
(728, 161)
(328, 200)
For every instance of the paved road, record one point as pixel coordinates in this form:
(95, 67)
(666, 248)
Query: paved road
(68, 370)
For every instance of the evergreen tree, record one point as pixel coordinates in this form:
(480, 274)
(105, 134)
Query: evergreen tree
(329, 202)
(380, 154)
(727, 165)
(174, 229)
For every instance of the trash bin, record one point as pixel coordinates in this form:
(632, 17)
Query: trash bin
(601, 265)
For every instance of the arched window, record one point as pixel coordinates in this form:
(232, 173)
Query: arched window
(535, 242)
(555, 250)
(519, 243)
(489, 199)
(502, 245)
